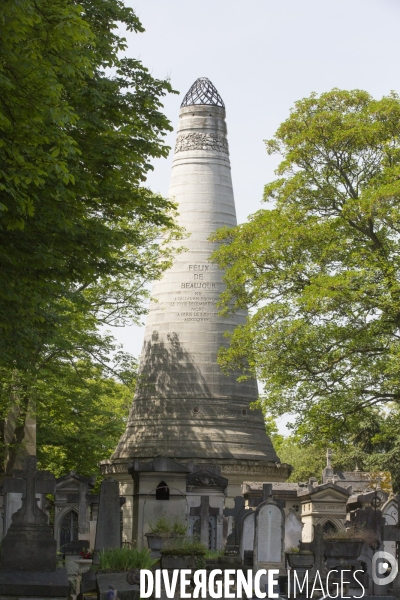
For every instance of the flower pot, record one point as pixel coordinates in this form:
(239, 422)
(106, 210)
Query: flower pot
(157, 542)
(179, 562)
(84, 564)
(350, 548)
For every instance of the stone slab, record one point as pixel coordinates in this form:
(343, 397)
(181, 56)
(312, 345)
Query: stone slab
(37, 584)
(108, 533)
(125, 591)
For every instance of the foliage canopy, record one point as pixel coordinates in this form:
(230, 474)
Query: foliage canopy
(78, 128)
(80, 234)
(320, 270)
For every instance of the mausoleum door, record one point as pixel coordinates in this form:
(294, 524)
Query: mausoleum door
(69, 528)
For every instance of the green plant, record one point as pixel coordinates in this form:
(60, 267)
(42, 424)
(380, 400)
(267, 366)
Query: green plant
(200, 562)
(214, 554)
(179, 527)
(125, 559)
(352, 533)
(166, 525)
(293, 550)
(188, 548)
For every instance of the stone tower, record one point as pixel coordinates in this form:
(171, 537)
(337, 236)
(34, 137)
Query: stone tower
(184, 407)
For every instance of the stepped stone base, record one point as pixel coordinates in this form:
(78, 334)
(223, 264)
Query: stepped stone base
(34, 584)
(247, 470)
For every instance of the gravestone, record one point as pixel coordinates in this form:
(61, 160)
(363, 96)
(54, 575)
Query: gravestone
(269, 537)
(12, 489)
(108, 531)
(28, 551)
(247, 536)
(204, 511)
(269, 527)
(293, 528)
(29, 544)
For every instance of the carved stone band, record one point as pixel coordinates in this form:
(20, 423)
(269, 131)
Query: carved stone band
(201, 141)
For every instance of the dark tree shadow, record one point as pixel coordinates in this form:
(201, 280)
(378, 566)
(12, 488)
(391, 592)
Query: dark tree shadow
(167, 369)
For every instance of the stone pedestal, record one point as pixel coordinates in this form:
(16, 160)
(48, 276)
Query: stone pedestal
(29, 548)
(33, 584)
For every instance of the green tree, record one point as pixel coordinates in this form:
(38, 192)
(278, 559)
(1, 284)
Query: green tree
(80, 412)
(82, 384)
(320, 271)
(78, 128)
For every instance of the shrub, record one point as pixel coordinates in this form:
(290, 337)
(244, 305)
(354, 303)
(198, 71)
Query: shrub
(165, 526)
(214, 554)
(125, 559)
(188, 548)
(293, 550)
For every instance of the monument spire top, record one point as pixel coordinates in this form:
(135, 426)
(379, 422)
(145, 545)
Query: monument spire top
(203, 92)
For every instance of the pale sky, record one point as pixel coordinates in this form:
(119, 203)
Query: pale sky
(262, 56)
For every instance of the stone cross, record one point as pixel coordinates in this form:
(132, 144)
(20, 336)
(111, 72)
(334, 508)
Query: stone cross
(204, 511)
(83, 499)
(30, 482)
(29, 544)
(237, 513)
(328, 457)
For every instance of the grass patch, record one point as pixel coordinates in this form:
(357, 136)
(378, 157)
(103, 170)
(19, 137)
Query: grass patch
(188, 548)
(125, 559)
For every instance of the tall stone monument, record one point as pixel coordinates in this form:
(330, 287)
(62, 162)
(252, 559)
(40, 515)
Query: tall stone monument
(185, 408)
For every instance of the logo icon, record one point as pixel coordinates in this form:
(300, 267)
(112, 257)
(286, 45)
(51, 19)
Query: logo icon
(384, 568)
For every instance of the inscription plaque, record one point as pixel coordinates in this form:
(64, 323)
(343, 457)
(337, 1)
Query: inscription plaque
(199, 300)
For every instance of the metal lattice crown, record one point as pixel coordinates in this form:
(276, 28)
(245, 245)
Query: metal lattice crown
(203, 92)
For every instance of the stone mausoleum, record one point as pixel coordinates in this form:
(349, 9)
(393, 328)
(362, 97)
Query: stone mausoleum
(191, 433)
